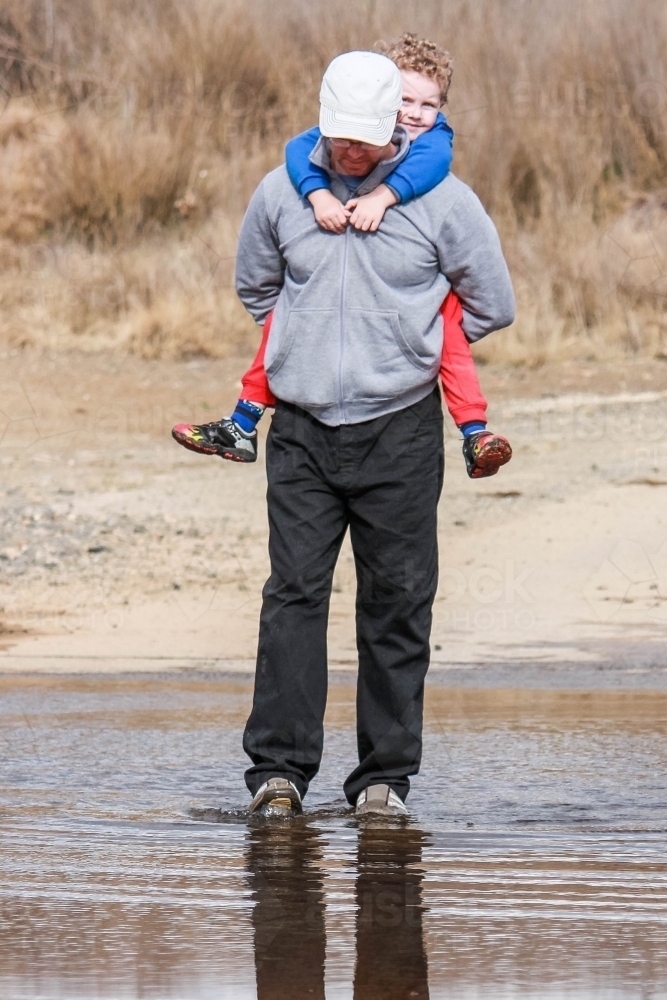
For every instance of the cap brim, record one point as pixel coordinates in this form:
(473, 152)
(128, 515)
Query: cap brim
(336, 125)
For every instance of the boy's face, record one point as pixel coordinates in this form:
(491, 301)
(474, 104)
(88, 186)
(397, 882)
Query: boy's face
(421, 103)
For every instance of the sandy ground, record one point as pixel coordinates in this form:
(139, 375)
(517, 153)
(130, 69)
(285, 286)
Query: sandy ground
(121, 551)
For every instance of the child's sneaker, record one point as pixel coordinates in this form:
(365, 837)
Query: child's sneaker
(484, 453)
(224, 438)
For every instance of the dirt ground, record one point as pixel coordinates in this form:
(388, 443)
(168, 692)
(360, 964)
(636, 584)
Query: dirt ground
(119, 550)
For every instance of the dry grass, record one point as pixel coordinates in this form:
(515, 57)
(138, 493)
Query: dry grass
(133, 134)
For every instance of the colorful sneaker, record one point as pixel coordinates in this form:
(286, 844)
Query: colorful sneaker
(380, 800)
(484, 453)
(225, 438)
(276, 797)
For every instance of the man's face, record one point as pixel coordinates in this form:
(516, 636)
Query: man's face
(356, 159)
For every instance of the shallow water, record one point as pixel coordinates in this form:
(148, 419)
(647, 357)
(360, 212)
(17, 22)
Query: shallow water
(534, 864)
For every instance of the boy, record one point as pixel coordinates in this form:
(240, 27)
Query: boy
(426, 72)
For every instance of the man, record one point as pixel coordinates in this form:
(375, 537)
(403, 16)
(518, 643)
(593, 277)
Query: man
(356, 439)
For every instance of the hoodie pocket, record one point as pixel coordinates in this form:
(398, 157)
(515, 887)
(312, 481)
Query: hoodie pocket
(304, 368)
(379, 361)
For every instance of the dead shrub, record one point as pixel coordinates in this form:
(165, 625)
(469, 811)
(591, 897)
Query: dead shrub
(136, 130)
(114, 181)
(524, 187)
(212, 326)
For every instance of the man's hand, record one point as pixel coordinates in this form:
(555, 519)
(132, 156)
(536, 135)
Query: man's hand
(329, 211)
(367, 211)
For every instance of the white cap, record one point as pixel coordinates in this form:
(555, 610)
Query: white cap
(361, 95)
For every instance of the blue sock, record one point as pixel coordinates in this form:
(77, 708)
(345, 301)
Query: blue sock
(247, 415)
(471, 426)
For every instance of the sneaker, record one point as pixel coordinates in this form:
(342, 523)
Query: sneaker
(380, 800)
(279, 796)
(484, 453)
(225, 438)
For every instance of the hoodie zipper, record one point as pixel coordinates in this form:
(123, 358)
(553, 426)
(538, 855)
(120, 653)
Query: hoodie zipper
(341, 322)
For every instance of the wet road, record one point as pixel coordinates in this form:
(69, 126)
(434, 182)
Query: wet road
(534, 865)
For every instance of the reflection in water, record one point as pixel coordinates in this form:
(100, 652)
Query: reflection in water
(284, 865)
(391, 958)
(288, 919)
(545, 875)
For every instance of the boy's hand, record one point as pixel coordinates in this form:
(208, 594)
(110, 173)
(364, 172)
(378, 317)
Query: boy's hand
(367, 211)
(329, 211)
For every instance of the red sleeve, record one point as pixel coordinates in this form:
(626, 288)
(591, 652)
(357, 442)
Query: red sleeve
(463, 394)
(255, 383)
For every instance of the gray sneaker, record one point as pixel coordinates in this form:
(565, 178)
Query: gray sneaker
(277, 796)
(380, 800)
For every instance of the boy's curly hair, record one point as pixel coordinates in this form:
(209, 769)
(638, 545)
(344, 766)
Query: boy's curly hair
(418, 55)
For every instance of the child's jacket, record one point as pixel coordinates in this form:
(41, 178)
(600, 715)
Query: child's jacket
(427, 164)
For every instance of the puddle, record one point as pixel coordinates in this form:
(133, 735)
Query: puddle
(533, 865)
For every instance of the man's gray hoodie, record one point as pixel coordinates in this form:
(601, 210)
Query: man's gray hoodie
(357, 330)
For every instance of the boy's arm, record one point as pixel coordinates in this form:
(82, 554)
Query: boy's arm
(426, 165)
(304, 175)
(368, 210)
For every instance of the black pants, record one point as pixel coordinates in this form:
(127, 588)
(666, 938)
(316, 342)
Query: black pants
(383, 479)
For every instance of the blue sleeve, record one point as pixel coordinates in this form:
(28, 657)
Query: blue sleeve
(304, 175)
(427, 163)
